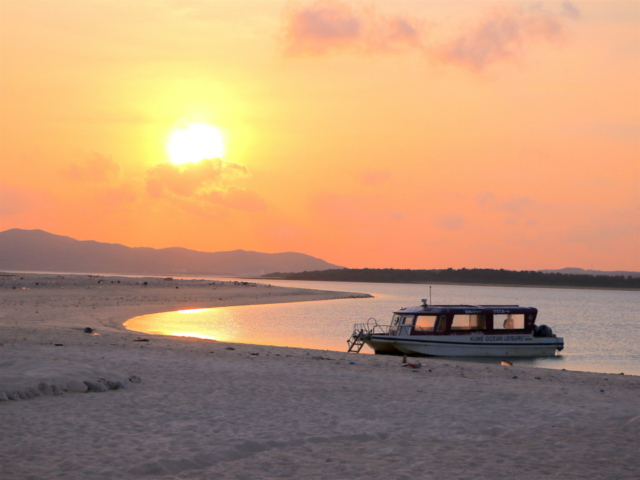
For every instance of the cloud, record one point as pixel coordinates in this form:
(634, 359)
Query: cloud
(374, 177)
(15, 200)
(489, 201)
(517, 210)
(331, 207)
(327, 26)
(501, 35)
(200, 185)
(452, 222)
(237, 199)
(570, 10)
(114, 196)
(193, 179)
(324, 27)
(95, 168)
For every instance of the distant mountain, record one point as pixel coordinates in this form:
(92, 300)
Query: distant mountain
(582, 271)
(37, 250)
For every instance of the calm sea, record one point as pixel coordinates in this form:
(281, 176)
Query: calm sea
(601, 328)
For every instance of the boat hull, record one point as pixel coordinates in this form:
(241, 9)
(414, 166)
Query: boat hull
(466, 346)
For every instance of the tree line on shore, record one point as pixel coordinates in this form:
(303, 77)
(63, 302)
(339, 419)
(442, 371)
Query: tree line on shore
(485, 276)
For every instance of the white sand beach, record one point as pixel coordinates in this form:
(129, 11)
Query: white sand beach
(206, 409)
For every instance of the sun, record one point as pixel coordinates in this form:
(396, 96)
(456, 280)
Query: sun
(194, 143)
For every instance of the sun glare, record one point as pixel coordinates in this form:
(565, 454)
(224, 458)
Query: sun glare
(194, 143)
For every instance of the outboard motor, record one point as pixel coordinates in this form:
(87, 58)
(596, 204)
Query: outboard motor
(542, 331)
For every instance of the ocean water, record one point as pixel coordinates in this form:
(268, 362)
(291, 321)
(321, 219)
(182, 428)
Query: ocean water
(601, 328)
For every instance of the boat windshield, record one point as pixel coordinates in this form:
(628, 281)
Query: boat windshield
(469, 322)
(425, 323)
(508, 321)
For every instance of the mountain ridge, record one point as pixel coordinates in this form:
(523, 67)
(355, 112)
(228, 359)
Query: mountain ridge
(38, 250)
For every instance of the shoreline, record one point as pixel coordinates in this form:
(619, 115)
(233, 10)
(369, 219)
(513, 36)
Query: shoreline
(208, 409)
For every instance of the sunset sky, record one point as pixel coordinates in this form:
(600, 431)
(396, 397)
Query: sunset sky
(403, 134)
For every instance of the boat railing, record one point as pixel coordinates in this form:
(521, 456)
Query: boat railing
(363, 331)
(371, 327)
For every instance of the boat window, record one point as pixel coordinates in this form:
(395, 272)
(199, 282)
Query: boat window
(511, 321)
(407, 320)
(469, 322)
(395, 320)
(425, 323)
(442, 323)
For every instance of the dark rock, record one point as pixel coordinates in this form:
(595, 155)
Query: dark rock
(33, 392)
(113, 385)
(76, 386)
(88, 330)
(95, 386)
(135, 379)
(45, 389)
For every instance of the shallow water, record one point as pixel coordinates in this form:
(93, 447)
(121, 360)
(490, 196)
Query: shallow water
(601, 328)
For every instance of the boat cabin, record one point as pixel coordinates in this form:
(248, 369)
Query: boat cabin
(462, 320)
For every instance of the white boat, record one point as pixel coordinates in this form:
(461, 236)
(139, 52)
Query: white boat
(460, 331)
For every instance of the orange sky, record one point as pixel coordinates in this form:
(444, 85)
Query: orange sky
(406, 134)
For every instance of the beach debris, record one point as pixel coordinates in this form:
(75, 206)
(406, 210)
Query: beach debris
(352, 363)
(601, 391)
(135, 379)
(415, 366)
(229, 348)
(515, 376)
(141, 340)
(77, 386)
(506, 363)
(88, 330)
(404, 359)
(58, 345)
(538, 378)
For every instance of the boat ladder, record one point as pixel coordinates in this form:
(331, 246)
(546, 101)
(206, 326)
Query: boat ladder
(361, 332)
(356, 341)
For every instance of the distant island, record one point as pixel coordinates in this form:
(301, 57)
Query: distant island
(473, 276)
(40, 251)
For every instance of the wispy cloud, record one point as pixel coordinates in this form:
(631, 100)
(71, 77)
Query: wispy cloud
(325, 27)
(501, 35)
(328, 26)
(94, 167)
